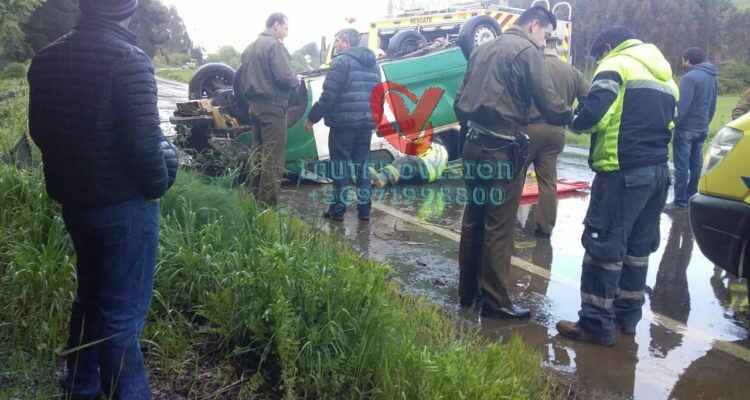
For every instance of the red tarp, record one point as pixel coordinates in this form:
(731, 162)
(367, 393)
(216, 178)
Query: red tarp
(563, 186)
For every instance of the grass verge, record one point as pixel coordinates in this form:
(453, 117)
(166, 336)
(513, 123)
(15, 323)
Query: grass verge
(247, 302)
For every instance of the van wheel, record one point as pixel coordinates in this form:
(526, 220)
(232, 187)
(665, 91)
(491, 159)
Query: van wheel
(405, 42)
(209, 79)
(477, 31)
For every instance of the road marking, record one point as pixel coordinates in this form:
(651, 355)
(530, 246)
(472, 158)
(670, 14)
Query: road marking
(732, 349)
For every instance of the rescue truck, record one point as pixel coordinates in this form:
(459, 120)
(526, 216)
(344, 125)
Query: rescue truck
(469, 24)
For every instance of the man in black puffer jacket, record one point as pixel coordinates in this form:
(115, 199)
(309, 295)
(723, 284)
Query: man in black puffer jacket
(93, 114)
(345, 104)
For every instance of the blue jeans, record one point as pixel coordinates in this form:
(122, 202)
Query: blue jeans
(350, 147)
(116, 258)
(687, 151)
(621, 230)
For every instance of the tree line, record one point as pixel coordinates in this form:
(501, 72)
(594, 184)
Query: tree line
(720, 27)
(30, 25)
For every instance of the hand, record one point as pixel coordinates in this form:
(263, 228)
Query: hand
(309, 126)
(569, 123)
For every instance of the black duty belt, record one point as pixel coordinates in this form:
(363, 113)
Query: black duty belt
(488, 132)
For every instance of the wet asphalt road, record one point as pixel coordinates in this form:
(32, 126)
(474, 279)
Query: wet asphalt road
(686, 346)
(170, 93)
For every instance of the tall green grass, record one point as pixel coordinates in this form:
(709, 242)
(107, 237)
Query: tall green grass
(13, 112)
(247, 301)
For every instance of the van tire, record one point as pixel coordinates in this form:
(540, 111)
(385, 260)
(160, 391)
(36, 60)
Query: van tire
(477, 31)
(405, 42)
(208, 79)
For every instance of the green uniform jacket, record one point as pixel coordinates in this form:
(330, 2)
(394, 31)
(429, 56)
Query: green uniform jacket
(569, 83)
(502, 81)
(266, 74)
(629, 109)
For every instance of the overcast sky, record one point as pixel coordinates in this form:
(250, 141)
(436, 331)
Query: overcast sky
(213, 23)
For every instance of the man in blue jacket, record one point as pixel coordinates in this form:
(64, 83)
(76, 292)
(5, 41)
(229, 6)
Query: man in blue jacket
(698, 92)
(345, 104)
(93, 114)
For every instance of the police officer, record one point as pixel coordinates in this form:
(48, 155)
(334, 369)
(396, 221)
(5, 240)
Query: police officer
(548, 141)
(502, 79)
(628, 110)
(267, 81)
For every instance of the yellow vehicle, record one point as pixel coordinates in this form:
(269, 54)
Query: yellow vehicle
(192, 64)
(470, 24)
(720, 212)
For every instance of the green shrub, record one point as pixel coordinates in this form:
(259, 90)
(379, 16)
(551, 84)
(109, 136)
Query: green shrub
(180, 75)
(159, 60)
(13, 71)
(171, 60)
(738, 71)
(227, 55)
(728, 86)
(178, 59)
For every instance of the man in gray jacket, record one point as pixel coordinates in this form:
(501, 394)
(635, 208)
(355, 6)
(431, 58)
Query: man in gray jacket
(267, 81)
(547, 141)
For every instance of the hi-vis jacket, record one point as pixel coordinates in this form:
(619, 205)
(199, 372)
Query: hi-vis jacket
(629, 109)
(429, 166)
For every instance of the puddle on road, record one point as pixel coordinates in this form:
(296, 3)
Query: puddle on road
(658, 363)
(170, 93)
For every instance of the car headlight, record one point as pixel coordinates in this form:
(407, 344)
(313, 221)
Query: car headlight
(723, 143)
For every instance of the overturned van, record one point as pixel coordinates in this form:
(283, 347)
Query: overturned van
(213, 127)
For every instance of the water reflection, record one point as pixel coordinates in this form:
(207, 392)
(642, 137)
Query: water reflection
(540, 252)
(608, 371)
(536, 250)
(730, 291)
(670, 295)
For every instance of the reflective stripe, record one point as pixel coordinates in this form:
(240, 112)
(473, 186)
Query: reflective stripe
(626, 295)
(609, 266)
(634, 261)
(654, 85)
(606, 84)
(394, 172)
(600, 302)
